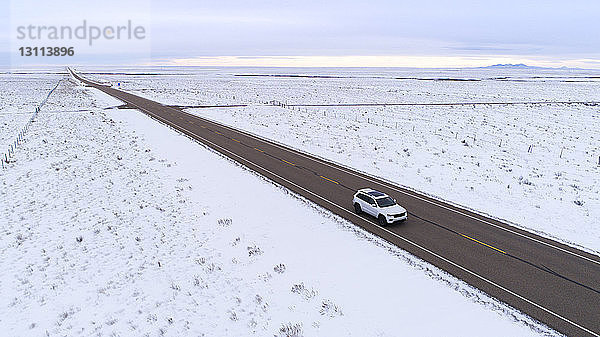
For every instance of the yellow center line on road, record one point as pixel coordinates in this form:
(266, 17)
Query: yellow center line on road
(202, 126)
(484, 244)
(217, 132)
(259, 150)
(285, 161)
(235, 140)
(333, 181)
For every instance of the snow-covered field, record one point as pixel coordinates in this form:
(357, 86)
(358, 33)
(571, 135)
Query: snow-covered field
(21, 94)
(535, 165)
(112, 224)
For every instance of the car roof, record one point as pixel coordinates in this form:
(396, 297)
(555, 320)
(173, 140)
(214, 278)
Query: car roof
(373, 193)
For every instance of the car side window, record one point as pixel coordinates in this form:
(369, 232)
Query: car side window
(367, 199)
(364, 198)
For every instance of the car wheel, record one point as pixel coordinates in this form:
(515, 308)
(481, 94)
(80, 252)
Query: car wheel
(382, 220)
(357, 208)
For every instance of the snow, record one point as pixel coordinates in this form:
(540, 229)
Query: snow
(113, 224)
(533, 165)
(21, 94)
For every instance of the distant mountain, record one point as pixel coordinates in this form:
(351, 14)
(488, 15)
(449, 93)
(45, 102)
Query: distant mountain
(511, 66)
(520, 66)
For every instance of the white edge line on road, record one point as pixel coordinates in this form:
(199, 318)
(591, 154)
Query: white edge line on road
(383, 183)
(382, 228)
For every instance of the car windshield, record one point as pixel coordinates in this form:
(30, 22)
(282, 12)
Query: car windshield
(385, 202)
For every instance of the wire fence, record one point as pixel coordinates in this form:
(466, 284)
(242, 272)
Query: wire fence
(387, 119)
(7, 156)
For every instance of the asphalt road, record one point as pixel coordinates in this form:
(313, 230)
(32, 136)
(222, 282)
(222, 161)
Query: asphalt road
(552, 282)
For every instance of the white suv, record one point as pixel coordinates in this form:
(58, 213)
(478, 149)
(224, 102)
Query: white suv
(379, 205)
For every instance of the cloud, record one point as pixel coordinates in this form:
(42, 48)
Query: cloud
(335, 31)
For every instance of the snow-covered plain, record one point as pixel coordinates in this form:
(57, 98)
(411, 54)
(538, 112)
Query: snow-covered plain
(21, 94)
(113, 224)
(534, 165)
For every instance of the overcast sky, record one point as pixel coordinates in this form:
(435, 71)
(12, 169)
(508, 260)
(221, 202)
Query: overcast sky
(372, 33)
